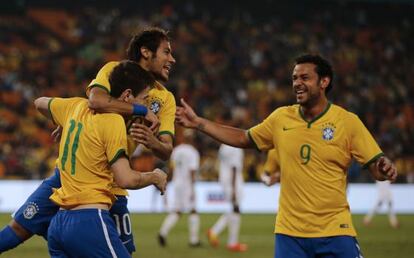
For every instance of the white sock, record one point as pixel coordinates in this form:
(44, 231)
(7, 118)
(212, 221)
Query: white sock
(391, 215)
(220, 224)
(194, 227)
(234, 228)
(168, 223)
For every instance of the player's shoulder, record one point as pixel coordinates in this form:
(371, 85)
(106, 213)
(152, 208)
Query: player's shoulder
(343, 113)
(110, 65)
(285, 111)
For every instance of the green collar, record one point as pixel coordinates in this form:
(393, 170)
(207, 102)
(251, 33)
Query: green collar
(317, 117)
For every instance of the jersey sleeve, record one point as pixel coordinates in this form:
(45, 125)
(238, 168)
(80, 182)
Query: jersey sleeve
(363, 146)
(167, 116)
(113, 133)
(102, 78)
(60, 108)
(262, 134)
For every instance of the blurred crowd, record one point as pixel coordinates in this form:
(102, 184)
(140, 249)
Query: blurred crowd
(233, 60)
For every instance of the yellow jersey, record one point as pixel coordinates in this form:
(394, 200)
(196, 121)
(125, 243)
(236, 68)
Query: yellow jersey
(271, 165)
(89, 145)
(314, 157)
(160, 101)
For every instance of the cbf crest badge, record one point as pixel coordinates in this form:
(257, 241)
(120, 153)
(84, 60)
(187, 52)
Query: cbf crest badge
(31, 210)
(155, 106)
(328, 131)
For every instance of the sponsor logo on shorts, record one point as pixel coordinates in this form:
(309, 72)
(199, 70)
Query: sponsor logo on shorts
(31, 210)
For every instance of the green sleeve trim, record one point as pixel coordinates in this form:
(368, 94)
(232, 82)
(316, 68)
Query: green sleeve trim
(99, 86)
(166, 132)
(366, 165)
(251, 139)
(119, 154)
(50, 111)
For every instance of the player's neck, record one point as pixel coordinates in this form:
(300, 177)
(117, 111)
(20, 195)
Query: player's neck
(311, 111)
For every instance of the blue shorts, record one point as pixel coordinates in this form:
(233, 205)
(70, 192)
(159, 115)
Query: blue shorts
(321, 247)
(120, 214)
(38, 210)
(84, 233)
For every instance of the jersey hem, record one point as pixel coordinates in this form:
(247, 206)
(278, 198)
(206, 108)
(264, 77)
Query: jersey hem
(251, 139)
(166, 132)
(366, 165)
(98, 86)
(120, 153)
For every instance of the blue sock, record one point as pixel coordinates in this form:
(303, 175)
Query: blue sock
(8, 239)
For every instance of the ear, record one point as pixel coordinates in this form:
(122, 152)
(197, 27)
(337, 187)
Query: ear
(126, 95)
(145, 52)
(325, 82)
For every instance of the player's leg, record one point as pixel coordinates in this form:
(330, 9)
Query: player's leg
(33, 217)
(292, 247)
(391, 215)
(88, 233)
(194, 228)
(336, 247)
(172, 218)
(368, 218)
(120, 214)
(12, 235)
(233, 243)
(193, 220)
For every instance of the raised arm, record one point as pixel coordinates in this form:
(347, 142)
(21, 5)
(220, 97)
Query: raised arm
(229, 135)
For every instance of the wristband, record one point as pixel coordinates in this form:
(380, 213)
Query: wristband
(139, 110)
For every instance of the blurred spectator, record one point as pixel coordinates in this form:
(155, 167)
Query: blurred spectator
(228, 59)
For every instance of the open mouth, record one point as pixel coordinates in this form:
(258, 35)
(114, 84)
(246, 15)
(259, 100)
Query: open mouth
(167, 68)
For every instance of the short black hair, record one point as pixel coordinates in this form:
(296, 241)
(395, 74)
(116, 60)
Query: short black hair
(129, 75)
(323, 67)
(149, 38)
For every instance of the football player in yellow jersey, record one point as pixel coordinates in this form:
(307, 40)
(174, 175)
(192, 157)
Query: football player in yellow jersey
(152, 50)
(315, 141)
(93, 156)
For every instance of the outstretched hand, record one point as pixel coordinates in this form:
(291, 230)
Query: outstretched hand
(185, 115)
(387, 168)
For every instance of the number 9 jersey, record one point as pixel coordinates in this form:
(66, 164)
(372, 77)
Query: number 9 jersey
(314, 157)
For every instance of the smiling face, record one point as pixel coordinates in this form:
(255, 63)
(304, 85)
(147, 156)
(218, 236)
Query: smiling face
(160, 63)
(308, 87)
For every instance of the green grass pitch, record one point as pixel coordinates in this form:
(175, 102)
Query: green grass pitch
(377, 241)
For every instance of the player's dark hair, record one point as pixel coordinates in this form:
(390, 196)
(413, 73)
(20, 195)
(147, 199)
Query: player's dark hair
(149, 38)
(323, 67)
(129, 75)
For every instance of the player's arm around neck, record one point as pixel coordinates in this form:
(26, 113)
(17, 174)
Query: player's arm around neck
(100, 101)
(127, 178)
(229, 135)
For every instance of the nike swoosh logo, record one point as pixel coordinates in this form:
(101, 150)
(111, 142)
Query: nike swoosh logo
(287, 128)
(126, 242)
